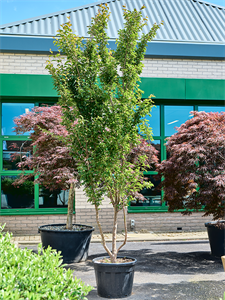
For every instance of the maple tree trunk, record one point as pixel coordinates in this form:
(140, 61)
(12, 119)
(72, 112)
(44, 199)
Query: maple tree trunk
(69, 222)
(125, 228)
(114, 250)
(101, 232)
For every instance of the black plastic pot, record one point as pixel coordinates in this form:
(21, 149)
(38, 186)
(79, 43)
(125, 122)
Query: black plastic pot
(73, 245)
(114, 280)
(216, 238)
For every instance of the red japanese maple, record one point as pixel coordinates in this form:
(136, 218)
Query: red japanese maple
(194, 176)
(53, 166)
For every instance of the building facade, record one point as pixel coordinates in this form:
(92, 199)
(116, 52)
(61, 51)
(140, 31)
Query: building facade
(184, 67)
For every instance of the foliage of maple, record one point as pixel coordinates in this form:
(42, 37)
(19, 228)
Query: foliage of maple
(102, 109)
(53, 166)
(194, 176)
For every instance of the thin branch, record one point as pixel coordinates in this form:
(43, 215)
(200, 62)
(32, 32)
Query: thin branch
(101, 232)
(125, 227)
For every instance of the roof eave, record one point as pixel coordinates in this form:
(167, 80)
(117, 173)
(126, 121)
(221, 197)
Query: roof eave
(160, 49)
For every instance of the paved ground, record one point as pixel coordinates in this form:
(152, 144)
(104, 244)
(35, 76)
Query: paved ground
(166, 270)
(132, 236)
(170, 266)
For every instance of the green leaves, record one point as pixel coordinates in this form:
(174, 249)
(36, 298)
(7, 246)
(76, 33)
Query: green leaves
(28, 276)
(98, 87)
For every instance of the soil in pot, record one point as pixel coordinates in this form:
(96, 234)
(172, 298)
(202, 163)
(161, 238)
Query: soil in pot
(73, 244)
(216, 234)
(114, 280)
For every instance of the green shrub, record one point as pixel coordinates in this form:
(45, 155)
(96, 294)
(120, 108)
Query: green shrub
(223, 297)
(25, 275)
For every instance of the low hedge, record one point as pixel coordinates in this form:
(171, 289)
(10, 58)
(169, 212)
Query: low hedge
(25, 275)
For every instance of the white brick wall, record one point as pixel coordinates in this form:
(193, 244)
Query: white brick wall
(184, 68)
(168, 222)
(166, 68)
(28, 225)
(23, 63)
(81, 201)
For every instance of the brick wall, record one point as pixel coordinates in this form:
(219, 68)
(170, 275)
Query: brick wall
(88, 217)
(156, 222)
(28, 225)
(85, 213)
(167, 222)
(166, 68)
(184, 68)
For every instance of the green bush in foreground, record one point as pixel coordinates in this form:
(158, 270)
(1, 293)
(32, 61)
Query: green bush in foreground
(223, 297)
(26, 275)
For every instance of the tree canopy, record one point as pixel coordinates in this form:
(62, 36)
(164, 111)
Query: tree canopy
(102, 108)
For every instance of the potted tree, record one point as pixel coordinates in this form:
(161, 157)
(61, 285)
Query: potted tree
(55, 171)
(102, 110)
(194, 175)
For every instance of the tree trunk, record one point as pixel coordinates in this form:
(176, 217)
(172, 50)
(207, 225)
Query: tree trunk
(101, 232)
(114, 250)
(69, 222)
(125, 227)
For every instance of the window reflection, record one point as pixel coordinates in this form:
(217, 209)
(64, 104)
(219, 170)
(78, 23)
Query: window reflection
(154, 120)
(14, 152)
(211, 108)
(55, 198)
(19, 196)
(175, 116)
(152, 196)
(157, 145)
(9, 112)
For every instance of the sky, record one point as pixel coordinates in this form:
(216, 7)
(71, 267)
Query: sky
(16, 10)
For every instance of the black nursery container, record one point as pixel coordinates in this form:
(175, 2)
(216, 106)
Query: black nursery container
(216, 238)
(74, 245)
(114, 280)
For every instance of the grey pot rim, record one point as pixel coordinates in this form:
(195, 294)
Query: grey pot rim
(130, 263)
(213, 223)
(41, 228)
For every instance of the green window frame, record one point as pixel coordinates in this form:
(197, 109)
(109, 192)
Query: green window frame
(36, 210)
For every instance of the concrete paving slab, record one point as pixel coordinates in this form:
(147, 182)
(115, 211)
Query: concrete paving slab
(132, 236)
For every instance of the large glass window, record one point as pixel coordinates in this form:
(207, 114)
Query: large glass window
(164, 120)
(157, 145)
(9, 112)
(152, 196)
(53, 198)
(175, 116)
(211, 108)
(25, 197)
(14, 152)
(154, 120)
(17, 198)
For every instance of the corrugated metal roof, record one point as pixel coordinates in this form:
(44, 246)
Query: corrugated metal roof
(184, 20)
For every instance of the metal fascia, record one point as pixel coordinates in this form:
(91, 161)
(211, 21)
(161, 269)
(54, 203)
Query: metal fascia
(15, 44)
